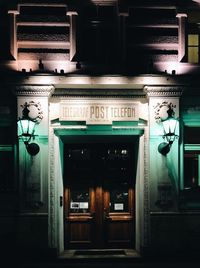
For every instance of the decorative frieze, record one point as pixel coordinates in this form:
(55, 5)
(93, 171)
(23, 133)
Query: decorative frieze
(163, 91)
(98, 93)
(99, 112)
(34, 90)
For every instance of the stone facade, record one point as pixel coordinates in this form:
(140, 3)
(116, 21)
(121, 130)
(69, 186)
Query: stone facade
(97, 53)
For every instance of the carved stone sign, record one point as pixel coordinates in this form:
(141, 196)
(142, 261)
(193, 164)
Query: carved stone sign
(99, 111)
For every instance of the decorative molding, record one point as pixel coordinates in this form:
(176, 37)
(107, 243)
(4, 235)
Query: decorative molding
(34, 90)
(52, 190)
(164, 91)
(84, 93)
(146, 189)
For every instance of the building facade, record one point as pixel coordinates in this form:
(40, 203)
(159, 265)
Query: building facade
(100, 171)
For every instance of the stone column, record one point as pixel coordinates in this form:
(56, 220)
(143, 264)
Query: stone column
(13, 32)
(164, 169)
(72, 33)
(182, 17)
(33, 170)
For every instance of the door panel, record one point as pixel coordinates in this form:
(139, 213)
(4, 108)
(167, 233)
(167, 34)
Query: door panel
(79, 216)
(99, 196)
(119, 218)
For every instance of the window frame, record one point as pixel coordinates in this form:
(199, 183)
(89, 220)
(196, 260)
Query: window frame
(193, 147)
(188, 147)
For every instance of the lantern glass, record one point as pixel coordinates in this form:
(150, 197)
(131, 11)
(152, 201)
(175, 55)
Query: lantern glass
(169, 126)
(25, 128)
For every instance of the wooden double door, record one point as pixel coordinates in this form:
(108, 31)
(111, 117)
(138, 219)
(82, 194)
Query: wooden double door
(99, 207)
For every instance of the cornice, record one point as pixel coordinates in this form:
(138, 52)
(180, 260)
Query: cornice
(33, 90)
(163, 91)
(114, 93)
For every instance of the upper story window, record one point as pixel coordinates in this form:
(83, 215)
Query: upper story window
(193, 48)
(193, 36)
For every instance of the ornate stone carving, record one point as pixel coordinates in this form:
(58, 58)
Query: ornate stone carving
(35, 111)
(158, 110)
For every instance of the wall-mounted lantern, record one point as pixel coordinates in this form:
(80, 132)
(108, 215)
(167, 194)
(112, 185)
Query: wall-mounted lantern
(169, 127)
(26, 129)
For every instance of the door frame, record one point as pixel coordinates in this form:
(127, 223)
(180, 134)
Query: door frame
(55, 189)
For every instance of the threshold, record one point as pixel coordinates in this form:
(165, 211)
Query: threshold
(100, 253)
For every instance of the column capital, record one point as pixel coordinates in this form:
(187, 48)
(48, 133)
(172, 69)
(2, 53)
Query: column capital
(33, 90)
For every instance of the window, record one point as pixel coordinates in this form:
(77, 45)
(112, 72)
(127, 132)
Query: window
(193, 20)
(190, 183)
(191, 157)
(193, 48)
(6, 168)
(7, 150)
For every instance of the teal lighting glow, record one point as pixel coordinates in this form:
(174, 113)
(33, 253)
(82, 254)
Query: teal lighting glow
(169, 128)
(26, 129)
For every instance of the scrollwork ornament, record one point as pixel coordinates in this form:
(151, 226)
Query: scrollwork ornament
(158, 108)
(35, 112)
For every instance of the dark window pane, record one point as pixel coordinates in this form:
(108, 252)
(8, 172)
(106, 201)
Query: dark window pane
(191, 169)
(79, 200)
(6, 135)
(192, 135)
(119, 199)
(6, 170)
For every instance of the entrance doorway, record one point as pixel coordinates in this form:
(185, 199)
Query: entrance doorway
(99, 195)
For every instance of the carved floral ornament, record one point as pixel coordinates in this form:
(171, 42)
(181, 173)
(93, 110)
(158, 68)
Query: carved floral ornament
(35, 112)
(161, 110)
